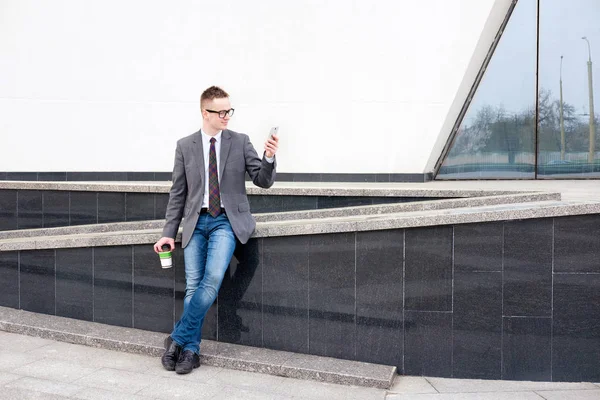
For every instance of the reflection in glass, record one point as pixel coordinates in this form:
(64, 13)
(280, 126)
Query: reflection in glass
(496, 138)
(567, 122)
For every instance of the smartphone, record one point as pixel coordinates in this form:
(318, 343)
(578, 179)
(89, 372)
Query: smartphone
(274, 131)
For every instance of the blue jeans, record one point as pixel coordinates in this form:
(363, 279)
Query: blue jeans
(207, 258)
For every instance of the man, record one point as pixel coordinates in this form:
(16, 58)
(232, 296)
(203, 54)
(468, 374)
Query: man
(209, 192)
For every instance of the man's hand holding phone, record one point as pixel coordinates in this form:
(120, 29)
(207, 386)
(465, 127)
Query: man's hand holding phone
(271, 144)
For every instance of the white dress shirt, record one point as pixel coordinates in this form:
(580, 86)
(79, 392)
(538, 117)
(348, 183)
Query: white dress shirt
(206, 147)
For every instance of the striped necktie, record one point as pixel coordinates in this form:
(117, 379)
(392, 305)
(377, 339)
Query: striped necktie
(214, 196)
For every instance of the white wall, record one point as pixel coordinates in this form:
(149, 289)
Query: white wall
(357, 86)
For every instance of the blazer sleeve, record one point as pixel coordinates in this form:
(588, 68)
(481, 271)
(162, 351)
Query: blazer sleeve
(262, 173)
(177, 196)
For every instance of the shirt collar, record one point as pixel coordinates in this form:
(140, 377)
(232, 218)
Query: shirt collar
(207, 137)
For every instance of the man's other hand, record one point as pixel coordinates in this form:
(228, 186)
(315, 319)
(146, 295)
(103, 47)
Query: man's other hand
(164, 240)
(271, 146)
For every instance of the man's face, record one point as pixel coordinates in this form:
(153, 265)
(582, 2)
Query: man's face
(213, 119)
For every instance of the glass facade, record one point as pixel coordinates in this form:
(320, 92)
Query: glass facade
(498, 137)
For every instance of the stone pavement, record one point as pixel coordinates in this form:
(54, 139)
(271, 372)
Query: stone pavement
(35, 368)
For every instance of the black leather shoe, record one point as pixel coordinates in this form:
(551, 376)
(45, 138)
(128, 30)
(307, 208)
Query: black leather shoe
(188, 360)
(171, 354)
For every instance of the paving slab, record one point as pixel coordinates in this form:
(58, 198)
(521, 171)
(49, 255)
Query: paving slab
(27, 394)
(44, 386)
(117, 380)
(445, 385)
(100, 394)
(6, 377)
(468, 396)
(570, 394)
(412, 384)
(215, 354)
(54, 370)
(168, 389)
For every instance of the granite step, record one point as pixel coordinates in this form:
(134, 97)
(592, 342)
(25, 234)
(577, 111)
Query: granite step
(225, 355)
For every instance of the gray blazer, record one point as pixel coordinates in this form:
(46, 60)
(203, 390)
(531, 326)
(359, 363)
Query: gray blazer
(185, 198)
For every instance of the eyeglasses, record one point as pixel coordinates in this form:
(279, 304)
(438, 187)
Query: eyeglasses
(222, 113)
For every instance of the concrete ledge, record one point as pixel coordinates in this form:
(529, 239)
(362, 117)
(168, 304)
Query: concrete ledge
(278, 189)
(226, 355)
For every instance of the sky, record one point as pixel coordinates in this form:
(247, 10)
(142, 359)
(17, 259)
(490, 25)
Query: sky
(510, 77)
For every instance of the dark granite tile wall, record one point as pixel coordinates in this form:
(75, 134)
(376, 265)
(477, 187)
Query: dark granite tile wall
(8, 210)
(84, 208)
(140, 176)
(428, 269)
(21, 176)
(166, 176)
(111, 207)
(160, 205)
(113, 285)
(82, 176)
(478, 247)
(74, 283)
(332, 295)
(52, 176)
(153, 291)
(477, 325)
(528, 268)
(9, 279)
(576, 333)
(29, 209)
(379, 315)
(285, 293)
(341, 295)
(240, 298)
(56, 209)
(576, 243)
(139, 206)
(428, 343)
(111, 176)
(37, 278)
(526, 348)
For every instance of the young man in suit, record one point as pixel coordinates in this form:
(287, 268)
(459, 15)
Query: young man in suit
(209, 193)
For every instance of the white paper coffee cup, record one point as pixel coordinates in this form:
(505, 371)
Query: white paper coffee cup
(166, 260)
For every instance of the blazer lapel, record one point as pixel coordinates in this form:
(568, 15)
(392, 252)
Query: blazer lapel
(199, 154)
(225, 146)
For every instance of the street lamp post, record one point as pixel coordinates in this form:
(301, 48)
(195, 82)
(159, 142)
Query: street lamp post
(562, 121)
(591, 94)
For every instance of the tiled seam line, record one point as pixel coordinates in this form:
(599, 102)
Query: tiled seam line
(19, 276)
(308, 297)
(262, 291)
(69, 213)
(355, 299)
(452, 308)
(132, 279)
(54, 252)
(403, 296)
(17, 211)
(502, 307)
(154, 207)
(93, 284)
(552, 304)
